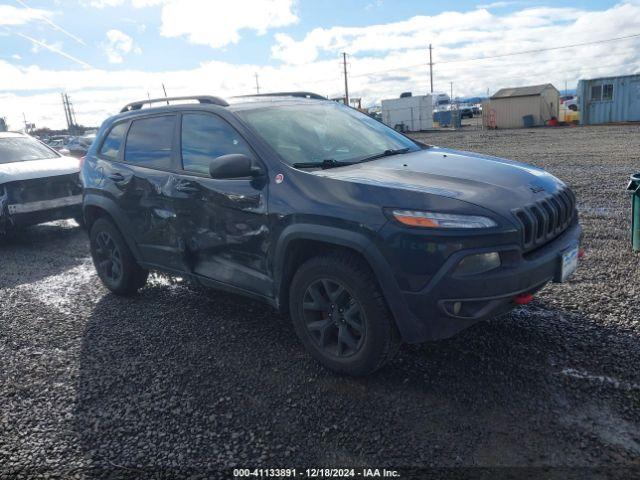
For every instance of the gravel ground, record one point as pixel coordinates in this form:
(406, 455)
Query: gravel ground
(179, 380)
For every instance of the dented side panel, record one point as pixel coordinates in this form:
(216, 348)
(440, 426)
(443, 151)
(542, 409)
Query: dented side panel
(224, 230)
(143, 196)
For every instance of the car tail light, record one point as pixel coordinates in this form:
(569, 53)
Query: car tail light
(81, 161)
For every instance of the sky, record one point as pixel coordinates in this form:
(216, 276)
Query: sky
(106, 53)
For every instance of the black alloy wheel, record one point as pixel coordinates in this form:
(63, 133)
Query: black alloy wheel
(114, 262)
(334, 318)
(108, 258)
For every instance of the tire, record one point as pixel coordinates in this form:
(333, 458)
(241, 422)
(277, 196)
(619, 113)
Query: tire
(356, 343)
(114, 262)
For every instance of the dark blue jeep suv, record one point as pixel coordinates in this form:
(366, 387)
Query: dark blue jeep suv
(364, 236)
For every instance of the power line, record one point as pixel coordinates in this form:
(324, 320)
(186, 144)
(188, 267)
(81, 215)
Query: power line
(538, 50)
(523, 52)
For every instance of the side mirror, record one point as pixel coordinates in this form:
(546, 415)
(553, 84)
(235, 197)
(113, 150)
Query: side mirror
(64, 151)
(234, 165)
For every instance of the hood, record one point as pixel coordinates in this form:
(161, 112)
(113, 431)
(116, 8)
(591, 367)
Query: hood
(31, 169)
(489, 182)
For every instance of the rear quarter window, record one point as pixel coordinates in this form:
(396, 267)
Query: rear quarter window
(111, 145)
(149, 142)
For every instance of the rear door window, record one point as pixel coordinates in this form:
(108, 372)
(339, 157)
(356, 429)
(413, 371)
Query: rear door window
(111, 145)
(150, 141)
(205, 137)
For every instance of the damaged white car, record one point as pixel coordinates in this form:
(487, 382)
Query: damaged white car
(37, 184)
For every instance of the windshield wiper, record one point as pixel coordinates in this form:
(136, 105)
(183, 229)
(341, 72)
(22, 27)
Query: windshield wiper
(331, 163)
(386, 153)
(324, 164)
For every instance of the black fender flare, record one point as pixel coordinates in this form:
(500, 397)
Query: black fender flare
(121, 221)
(356, 241)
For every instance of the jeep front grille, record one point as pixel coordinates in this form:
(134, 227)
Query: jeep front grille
(547, 218)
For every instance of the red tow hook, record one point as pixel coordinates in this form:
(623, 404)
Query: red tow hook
(581, 253)
(522, 299)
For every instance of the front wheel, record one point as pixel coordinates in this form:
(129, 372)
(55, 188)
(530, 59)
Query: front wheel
(114, 262)
(341, 316)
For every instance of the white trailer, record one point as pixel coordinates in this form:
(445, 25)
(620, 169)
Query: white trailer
(408, 114)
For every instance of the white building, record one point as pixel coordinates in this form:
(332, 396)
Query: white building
(408, 114)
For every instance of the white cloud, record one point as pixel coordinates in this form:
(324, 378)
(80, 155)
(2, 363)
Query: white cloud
(48, 21)
(117, 3)
(37, 45)
(12, 16)
(218, 24)
(118, 45)
(502, 4)
(374, 4)
(214, 23)
(388, 49)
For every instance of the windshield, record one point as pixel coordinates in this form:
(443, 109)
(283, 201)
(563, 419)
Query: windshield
(22, 149)
(314, 132)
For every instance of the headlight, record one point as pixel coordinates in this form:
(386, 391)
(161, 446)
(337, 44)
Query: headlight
(478, 263)
(441, 220)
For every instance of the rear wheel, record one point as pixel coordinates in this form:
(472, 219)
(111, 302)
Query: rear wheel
(340, 315)
(114, 262)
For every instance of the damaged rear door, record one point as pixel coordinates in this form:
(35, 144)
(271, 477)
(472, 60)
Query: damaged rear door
(223, 222)
(139, 182)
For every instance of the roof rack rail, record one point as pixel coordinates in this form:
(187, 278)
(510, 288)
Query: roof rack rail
(208, 99)
(311, 95)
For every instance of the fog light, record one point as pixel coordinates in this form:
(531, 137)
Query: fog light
(478, 263)
(457, 306)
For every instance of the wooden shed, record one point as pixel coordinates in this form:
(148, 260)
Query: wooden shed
(521, 107)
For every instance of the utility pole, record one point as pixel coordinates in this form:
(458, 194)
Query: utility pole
(69, 114)
(66, 110)
(257, 84)
(431, 65)
(346, 82)
(451, 92)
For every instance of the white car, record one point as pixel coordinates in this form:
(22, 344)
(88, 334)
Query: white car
(37, 184)
(570, 101)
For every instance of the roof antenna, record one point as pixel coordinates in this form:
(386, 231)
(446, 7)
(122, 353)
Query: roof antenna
(165, 93)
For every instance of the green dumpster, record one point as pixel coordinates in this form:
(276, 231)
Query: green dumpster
(634, 189)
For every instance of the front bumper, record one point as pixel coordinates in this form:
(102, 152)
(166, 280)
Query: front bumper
(41, 205)
(33, 213)
(39, 200)
(430, 311)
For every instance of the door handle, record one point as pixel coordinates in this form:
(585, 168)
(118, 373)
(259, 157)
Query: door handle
(186, 187)
(117, 177)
